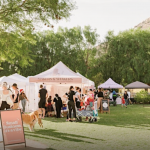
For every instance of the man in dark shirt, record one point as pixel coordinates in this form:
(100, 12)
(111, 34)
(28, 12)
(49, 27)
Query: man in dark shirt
(43, 94)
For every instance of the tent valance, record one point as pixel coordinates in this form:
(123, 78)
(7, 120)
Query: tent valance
(56, 80)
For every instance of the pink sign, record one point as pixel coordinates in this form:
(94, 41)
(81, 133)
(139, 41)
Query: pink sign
(13, 132)
(56, 80)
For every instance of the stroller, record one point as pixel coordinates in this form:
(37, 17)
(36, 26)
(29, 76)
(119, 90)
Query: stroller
(88, 113)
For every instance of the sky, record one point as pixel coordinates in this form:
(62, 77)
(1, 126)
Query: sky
(105, 15)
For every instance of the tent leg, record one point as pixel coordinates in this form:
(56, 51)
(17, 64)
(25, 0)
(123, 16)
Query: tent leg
(29, 96)
(34, 96)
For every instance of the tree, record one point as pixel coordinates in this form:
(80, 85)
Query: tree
(71, 46)
(18, 19)
(126, 56)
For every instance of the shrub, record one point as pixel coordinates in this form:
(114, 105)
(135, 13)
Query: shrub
(142, 96)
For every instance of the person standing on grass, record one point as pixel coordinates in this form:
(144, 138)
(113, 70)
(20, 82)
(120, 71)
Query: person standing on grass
(43, 95)
(58, 105)
(126, 98)
(78, 98)
(23, 99)
(71, 103)
(15, 96)
(129, 96)
(6, 97)
(114, 97)
(100, 97)
(123, 102)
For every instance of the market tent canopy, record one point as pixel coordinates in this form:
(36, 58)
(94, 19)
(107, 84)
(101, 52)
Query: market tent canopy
(18, 77)
(110, 84)
(9, 80)
(86, 80)
(59, 73)
(137, 85)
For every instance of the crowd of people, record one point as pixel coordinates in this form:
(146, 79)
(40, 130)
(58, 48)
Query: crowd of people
(11, 97)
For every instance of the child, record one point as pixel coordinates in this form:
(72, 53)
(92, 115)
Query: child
(49, 106)
(123, 101)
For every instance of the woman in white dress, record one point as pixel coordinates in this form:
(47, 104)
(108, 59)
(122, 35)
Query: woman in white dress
(6, 97)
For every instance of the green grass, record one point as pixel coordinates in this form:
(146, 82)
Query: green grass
(130, 127)
(134, 115)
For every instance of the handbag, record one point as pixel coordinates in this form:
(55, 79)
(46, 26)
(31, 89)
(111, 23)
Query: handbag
(81, 103)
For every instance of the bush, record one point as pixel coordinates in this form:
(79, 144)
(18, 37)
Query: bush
(142, 96)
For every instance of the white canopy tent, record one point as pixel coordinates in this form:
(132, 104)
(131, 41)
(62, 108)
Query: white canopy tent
(57, 79)
(10, 81)
(18, 77)
(110, 84)
(88, 83)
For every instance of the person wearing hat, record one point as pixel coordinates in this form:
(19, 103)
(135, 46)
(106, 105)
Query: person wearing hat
(23, 98)
(15, 96)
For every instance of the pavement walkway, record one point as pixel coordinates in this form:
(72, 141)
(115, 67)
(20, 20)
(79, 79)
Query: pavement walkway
(31, 145)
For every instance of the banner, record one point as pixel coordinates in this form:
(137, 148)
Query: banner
(56, 80)
(12, 127)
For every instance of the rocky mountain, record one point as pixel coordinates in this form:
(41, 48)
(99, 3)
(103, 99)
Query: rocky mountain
(144, 25)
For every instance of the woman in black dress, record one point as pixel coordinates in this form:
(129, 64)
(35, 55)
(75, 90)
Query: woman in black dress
(58, 105)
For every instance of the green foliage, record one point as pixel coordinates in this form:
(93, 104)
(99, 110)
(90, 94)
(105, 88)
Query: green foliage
(75, 47)
(142, 96)
(18, 20)
(126, 56)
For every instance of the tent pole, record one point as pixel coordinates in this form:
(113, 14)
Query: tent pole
(34, 96)
(81, 88)
(29, 95)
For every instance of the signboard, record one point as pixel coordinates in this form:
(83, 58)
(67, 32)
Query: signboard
(105, 106)
(56, 80)
(12, 127)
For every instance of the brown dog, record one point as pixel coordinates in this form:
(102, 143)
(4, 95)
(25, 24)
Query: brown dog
(32, 118)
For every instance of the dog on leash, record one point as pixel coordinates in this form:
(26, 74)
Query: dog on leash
(32, 118)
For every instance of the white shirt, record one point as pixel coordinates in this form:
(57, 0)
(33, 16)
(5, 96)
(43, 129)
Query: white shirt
(77, 95)
(5, 97)
(129, 94)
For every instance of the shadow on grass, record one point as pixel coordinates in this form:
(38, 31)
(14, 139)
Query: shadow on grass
(56, 120)
(63, 136)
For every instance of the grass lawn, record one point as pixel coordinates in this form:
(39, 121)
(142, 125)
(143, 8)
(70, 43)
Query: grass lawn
(124, 128)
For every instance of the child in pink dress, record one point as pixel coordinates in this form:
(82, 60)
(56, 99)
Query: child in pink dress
(123, 101)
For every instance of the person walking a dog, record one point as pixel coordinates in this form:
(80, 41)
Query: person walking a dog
(43, 95)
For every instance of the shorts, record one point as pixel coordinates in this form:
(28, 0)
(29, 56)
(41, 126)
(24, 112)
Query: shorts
(15, 106)
(42, 104)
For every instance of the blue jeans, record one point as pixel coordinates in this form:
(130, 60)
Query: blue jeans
(23, 102)
(126, 100)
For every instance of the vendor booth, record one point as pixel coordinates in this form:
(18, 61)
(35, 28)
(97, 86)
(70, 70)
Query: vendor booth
(88, 84)
(58, 79)
(110, 84)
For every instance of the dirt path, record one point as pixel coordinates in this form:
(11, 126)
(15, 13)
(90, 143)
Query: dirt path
(31, 145)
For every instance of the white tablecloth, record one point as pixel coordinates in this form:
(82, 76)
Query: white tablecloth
(118, 100)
